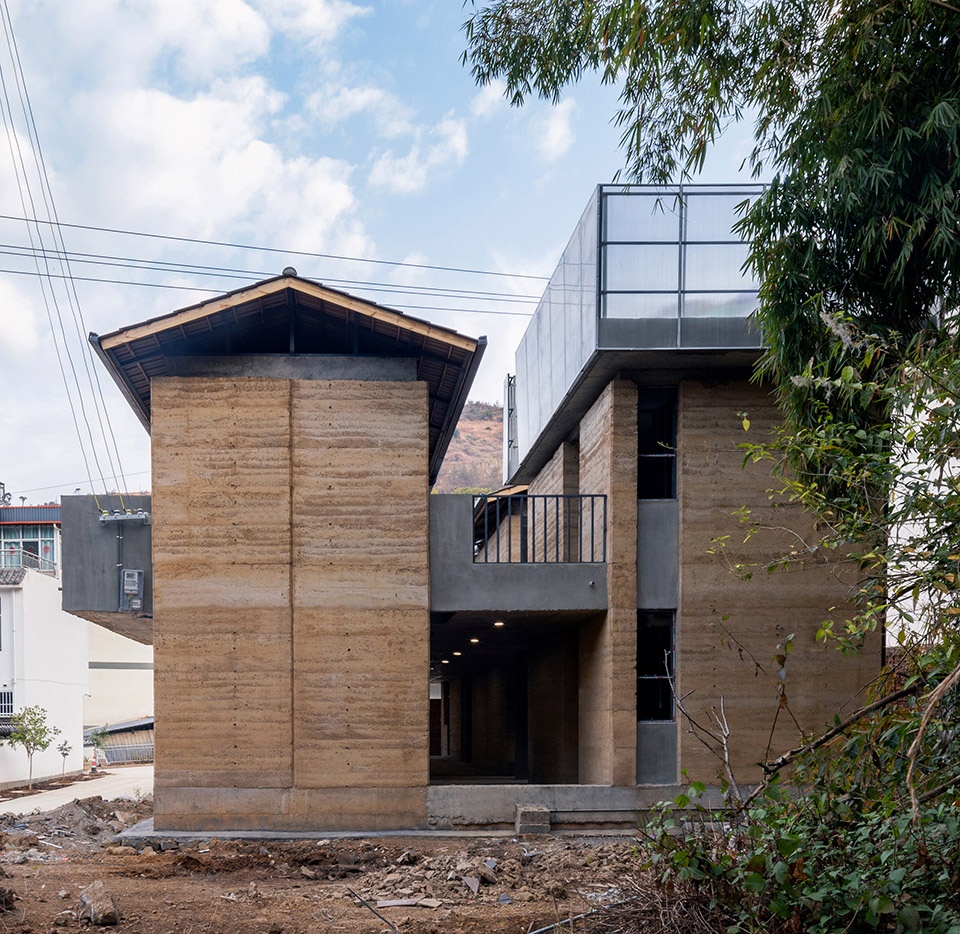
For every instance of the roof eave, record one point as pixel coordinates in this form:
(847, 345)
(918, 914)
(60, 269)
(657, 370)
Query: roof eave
(455, 409)
(120, 378)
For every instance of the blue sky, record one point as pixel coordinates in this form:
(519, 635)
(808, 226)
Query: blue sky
(314, 125)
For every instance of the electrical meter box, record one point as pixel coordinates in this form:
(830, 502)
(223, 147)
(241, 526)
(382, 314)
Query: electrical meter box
(131, 590)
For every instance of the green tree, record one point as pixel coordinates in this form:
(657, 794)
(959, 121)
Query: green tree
(856, 114)
(855, 108)
(31, 731)
(64, 749)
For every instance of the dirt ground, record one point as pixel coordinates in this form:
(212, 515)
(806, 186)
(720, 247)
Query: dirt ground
(444, 884)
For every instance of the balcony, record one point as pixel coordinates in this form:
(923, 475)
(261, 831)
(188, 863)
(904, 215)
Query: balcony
(519, 528)
(15, 556)
(517, 553)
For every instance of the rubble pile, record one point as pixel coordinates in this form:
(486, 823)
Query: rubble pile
(85, 821)
(67, 867)
(388, 876)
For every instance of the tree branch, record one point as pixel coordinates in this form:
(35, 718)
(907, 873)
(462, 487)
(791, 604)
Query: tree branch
(771, 768)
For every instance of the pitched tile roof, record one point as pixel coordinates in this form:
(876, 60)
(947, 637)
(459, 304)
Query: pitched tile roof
(11, 577)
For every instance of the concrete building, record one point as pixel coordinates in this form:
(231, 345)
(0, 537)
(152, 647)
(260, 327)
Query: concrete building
(43, 650)
(595, 591)
(357, 654)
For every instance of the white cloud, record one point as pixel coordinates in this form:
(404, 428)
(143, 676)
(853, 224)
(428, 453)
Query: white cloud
(410, 173)
(335, 103)
(555, 134)
(317, 21)
(19, 330)
(127, 41)
(489, 100)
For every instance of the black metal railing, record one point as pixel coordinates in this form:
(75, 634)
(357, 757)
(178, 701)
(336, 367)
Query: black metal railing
(539, 529)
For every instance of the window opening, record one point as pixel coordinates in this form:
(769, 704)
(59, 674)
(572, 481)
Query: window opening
(657, 444)
(655, 651)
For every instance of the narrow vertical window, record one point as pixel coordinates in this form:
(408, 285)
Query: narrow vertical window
(655, 664)
(657, 444)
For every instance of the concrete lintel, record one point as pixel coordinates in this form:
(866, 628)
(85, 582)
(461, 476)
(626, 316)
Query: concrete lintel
(296, 366)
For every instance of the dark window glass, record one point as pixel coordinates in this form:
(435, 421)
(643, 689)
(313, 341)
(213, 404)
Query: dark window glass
(656, 444)
(655, 664)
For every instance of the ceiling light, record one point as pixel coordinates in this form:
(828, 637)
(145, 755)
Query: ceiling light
(498, 623)
(474, 640)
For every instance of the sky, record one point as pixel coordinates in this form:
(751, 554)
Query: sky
(296, 127)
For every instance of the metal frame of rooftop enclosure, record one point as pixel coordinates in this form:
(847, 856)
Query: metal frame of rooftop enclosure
(647, 268)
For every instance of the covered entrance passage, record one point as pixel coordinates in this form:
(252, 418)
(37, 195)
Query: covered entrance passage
(506, 692)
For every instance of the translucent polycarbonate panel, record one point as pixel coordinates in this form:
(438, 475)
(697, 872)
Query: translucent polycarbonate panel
(716, 267)
(711, 216)
(641, 305)
(665, 254)
(641, 268)
(719, 305)
(632, 217)
(561, 335)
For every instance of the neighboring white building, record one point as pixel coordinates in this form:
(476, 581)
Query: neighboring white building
(115, 674)
(43, 662)
(120, 678)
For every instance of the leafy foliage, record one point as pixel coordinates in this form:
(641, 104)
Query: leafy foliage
(856, 113)
(856, 245)
(832, 849)
(33, 733)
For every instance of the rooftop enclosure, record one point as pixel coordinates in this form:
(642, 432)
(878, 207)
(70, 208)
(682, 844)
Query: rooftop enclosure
(647, 268)
(29, 537)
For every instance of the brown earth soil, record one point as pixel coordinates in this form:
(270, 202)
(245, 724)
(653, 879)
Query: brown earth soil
(22, 791)
(484, 886)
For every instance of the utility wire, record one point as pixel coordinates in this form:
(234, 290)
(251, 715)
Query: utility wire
(282, 252)
(18, 166)
(197, 288)
(26, 193)
(227, 272)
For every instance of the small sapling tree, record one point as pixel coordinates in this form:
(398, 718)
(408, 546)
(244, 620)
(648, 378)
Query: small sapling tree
(31, 730)
(64, 749)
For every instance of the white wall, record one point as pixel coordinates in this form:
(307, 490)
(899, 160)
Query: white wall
(49, 660)
(124, 689)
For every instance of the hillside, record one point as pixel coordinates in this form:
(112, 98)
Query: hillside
(474, 459)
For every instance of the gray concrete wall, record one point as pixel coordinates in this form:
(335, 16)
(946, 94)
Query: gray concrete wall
(658, 553)
(94, 551)
(456, 583)
(657, 752)
(490, 806)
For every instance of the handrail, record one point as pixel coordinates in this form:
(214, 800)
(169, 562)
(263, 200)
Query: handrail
(15, 556)
(524, 528)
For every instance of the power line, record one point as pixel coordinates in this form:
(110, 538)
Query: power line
(196, 288)
(52, 305)
(227, 272)
(75, 484)
(282, 252)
